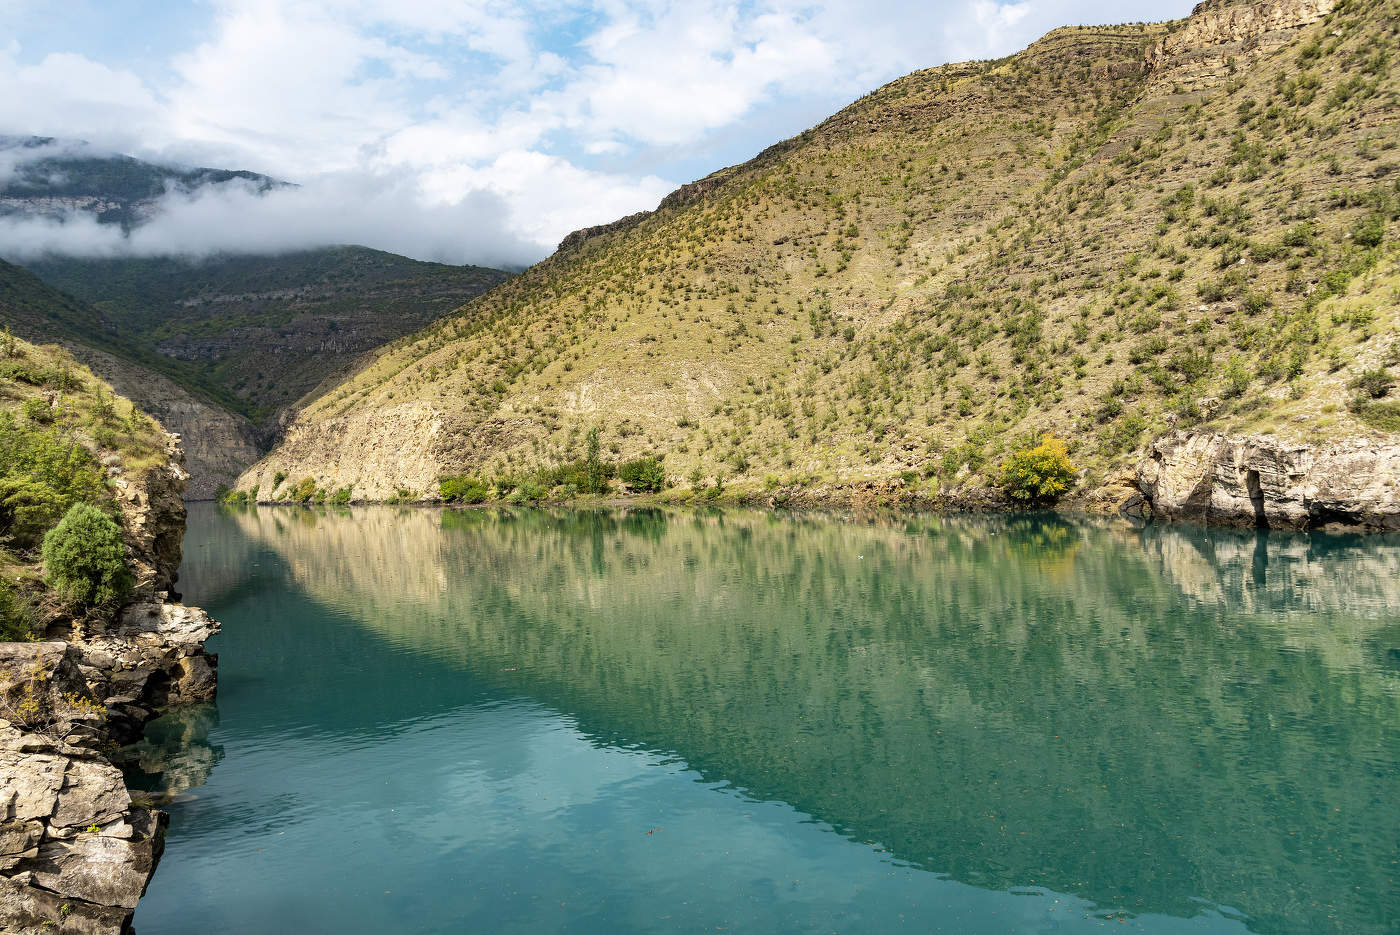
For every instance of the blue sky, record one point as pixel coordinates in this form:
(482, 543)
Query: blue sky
(468, 131)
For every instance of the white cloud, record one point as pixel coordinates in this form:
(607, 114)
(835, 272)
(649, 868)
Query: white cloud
(65, 91)
(501, 215)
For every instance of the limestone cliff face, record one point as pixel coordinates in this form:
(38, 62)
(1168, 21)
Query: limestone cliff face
(76, 852)
(153, 519)
(1260, 481)
(1220, 32)
(375, 453)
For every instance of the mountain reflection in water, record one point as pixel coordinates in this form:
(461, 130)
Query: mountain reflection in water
(1011, 723)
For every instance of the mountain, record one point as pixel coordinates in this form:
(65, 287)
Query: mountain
(219, 442)
(1118, 232)
(54, 178)
(268, 329)
(221, 349)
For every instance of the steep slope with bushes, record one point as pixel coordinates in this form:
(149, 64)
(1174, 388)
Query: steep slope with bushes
(267, 330)
(1118, 232)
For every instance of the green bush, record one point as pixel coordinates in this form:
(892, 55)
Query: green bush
(304, 491)
(1039, 474)
(1384, 416)
(341, 497)
(462, 488)
(85, 558)
(19, 619)
(41, 475)
(1374, 383)
(28, 508)
(38, 411)
(644, 475)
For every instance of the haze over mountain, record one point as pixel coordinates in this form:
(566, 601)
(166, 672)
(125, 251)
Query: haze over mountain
(1118, 231)
(70, 198)
(41, 177)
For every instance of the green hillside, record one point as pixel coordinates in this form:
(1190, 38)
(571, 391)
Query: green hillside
(66, 438)
(1119, 231)
(267, 330)
(38, 312)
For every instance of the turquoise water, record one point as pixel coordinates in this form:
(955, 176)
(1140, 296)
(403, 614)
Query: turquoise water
(491, 721)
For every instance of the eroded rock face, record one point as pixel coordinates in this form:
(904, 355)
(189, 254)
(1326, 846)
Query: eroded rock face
(1259, 481)
(152, 656)
(1224, 34)
(75, 852)
(153, 521)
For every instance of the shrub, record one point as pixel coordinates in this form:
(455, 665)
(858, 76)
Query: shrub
(341, 497)
(1237, 377)
(1384, 416)
(38, 411)
(28, 508)
(1040, 474)
(463, 488)
(41, 476)
(19, 620)
(1374, 383)
(646, 475)
(85, 558)
(304, 491)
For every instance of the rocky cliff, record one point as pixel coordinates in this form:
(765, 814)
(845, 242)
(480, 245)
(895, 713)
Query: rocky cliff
(76, 851)
(1221, 36)
(1262, 482)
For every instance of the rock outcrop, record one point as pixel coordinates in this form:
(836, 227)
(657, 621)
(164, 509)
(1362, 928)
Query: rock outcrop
(1220, 35)
(1259, 481)
(76, 852)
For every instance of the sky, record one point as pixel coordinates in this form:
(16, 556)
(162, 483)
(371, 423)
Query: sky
(466, 132)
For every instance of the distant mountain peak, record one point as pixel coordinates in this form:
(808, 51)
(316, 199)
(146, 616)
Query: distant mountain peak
(44, 176)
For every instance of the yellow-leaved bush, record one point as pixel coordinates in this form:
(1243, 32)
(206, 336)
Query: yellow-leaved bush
(1040, 474)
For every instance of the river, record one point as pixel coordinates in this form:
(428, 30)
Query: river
(737, 721)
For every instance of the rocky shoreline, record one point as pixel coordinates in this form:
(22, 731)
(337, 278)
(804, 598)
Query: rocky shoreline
(77, 850)
(1253, 481)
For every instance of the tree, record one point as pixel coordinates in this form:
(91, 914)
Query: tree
(85, 558)
(1040, 474)
(593, 462)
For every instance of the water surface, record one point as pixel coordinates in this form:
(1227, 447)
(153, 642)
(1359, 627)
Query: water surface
(494, 721)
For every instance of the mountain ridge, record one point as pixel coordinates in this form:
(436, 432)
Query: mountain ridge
(1115, 234)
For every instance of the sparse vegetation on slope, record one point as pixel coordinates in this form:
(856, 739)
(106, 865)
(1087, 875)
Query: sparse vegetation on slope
(63, 432)
(1117, 231)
